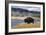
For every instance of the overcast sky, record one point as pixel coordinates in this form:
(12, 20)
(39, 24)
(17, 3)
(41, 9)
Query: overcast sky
(28, 8)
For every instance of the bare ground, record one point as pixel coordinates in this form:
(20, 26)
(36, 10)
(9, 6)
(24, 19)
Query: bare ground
(28, 25)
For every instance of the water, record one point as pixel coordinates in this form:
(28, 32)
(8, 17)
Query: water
(16, 21)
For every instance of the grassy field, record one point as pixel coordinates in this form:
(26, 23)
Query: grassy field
(28, 25)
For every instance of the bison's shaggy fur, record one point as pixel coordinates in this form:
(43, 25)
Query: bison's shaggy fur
(29, 20)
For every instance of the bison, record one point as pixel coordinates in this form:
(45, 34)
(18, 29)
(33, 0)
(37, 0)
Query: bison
(29, 20)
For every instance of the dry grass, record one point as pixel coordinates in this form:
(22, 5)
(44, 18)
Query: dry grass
(28, 25)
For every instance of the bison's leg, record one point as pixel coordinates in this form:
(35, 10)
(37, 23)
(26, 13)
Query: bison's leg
(28, 22)
(33, 21)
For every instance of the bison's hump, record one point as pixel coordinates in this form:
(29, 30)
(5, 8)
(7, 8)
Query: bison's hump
(29, 18)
